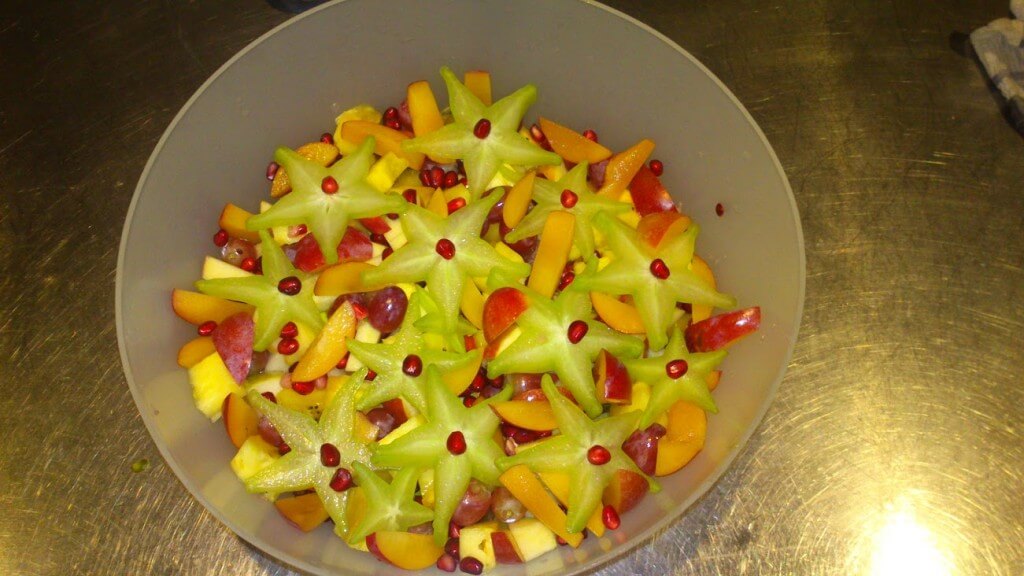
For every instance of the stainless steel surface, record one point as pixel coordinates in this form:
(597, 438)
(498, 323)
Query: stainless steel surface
(895, 443)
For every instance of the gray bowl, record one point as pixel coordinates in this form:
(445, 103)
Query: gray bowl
(594, 68)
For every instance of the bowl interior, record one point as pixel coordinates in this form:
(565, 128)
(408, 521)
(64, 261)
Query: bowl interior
(594, 68)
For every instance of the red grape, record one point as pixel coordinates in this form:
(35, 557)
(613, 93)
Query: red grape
(505, 506)
(383, 420)
(237, 250)
(474, 504)
(387, 309)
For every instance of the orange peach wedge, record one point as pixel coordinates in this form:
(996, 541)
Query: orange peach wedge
(529, 415)
(528, 489)
(343, 278)
(385, 140)
(479, 83)
(459, 378)
(699, 267)
(687, 425)
(193, 351)
(518, 200)
(240, 420)
(558, 484)
(329, 347)
(553, 252)
(623, 166)
(305, 512)
(196, 307)
(658, 227)
(617, 314)
(232, 220)
(572, 145)
(404, 549)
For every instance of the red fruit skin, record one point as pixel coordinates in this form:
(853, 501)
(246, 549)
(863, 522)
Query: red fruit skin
(642, 447)
(233, 340)
(504, 550)
(354, 247)
(371, 545)
(397, 411)
(501, 310)
(719, 331)
(648, 194)
(376, 224)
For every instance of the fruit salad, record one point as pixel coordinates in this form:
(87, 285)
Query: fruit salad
(456, 339)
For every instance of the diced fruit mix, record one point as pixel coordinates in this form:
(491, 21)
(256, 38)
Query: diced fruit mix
(459, 340)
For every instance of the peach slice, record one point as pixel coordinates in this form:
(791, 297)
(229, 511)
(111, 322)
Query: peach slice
(529, 415)
(699, 267)
(625, 491)
(617, 314)
(528, 489)
(558, 484)
(623, 166)
(320, 152)
(193, 351)
(196, 307)
(343, 278)
(329, 346)
(658, 227)
(386, 140)
(553, 252)
(687, 425)
(305, 512)
(479, 83)
(423, 111)
(240, 420)
(518, 200)
(460, 378)
(355, 509)
(572, 145)
(713, 379)
(472, 304)
(404, 549)
(232, 220)
(438, 204)
(501, 309)
(612, 380)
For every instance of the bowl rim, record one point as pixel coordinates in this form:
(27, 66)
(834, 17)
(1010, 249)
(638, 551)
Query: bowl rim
(642, 537)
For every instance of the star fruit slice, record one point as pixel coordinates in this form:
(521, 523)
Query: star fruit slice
(274, 308)
(427, 447)
(631, 271)
(545, 345)
(482, 157)
(387, 359)
(568, 453)
(389, 506)
(549, 197)
(302, 468)
(666, 389)
(327, 214)
(424, 256)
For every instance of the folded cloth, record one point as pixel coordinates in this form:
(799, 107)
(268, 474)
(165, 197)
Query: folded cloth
(1000, 47)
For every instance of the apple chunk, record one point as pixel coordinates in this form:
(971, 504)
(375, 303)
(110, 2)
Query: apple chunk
(722, 330)
(612, 380)
(501, 310)
(625, 491)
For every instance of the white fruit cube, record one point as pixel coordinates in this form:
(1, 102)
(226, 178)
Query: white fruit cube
(532, 538)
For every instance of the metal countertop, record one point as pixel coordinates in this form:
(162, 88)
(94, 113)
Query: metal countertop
(894, 445)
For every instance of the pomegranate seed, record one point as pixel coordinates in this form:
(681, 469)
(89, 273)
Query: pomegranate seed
(371, 375)
(657, 167)
(392, 215)
(288, 346)
(207, 328)
(289, 286)
(436, 176)
(676, 368)
(659, 269)
(391, 113)
(451, 178)
(569, 198)
(342, 480)
(270, 396)
(456, 203)
(577, 330)
(471, 565)
(359, 311)
(343, 362)
(610, 518)
(463, 181)
(561, 541)
(272, 170)
(425, 177)
(296, 231)
(220, 239)
(445, 248)
(393, 124)
(248, 264)
(456, 443)
(567, 277)
(303, 388)
(327, 138)
(378, 238)
(386, 253)
(719, 209)
(289, 330)
(412, 365)
(409, 195)
(468, 401)
(598, 455)
(329, 185)
(482, 128)
(590, 135)
(329, 455)
(447, 563)
(451, 547)
(538, 136)
(453, 530)
(283, 449)
(478, 383)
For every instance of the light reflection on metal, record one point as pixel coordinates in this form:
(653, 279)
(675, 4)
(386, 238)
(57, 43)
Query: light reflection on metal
(903, 545)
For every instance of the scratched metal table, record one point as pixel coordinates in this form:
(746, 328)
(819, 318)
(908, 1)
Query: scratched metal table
(895, 443)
